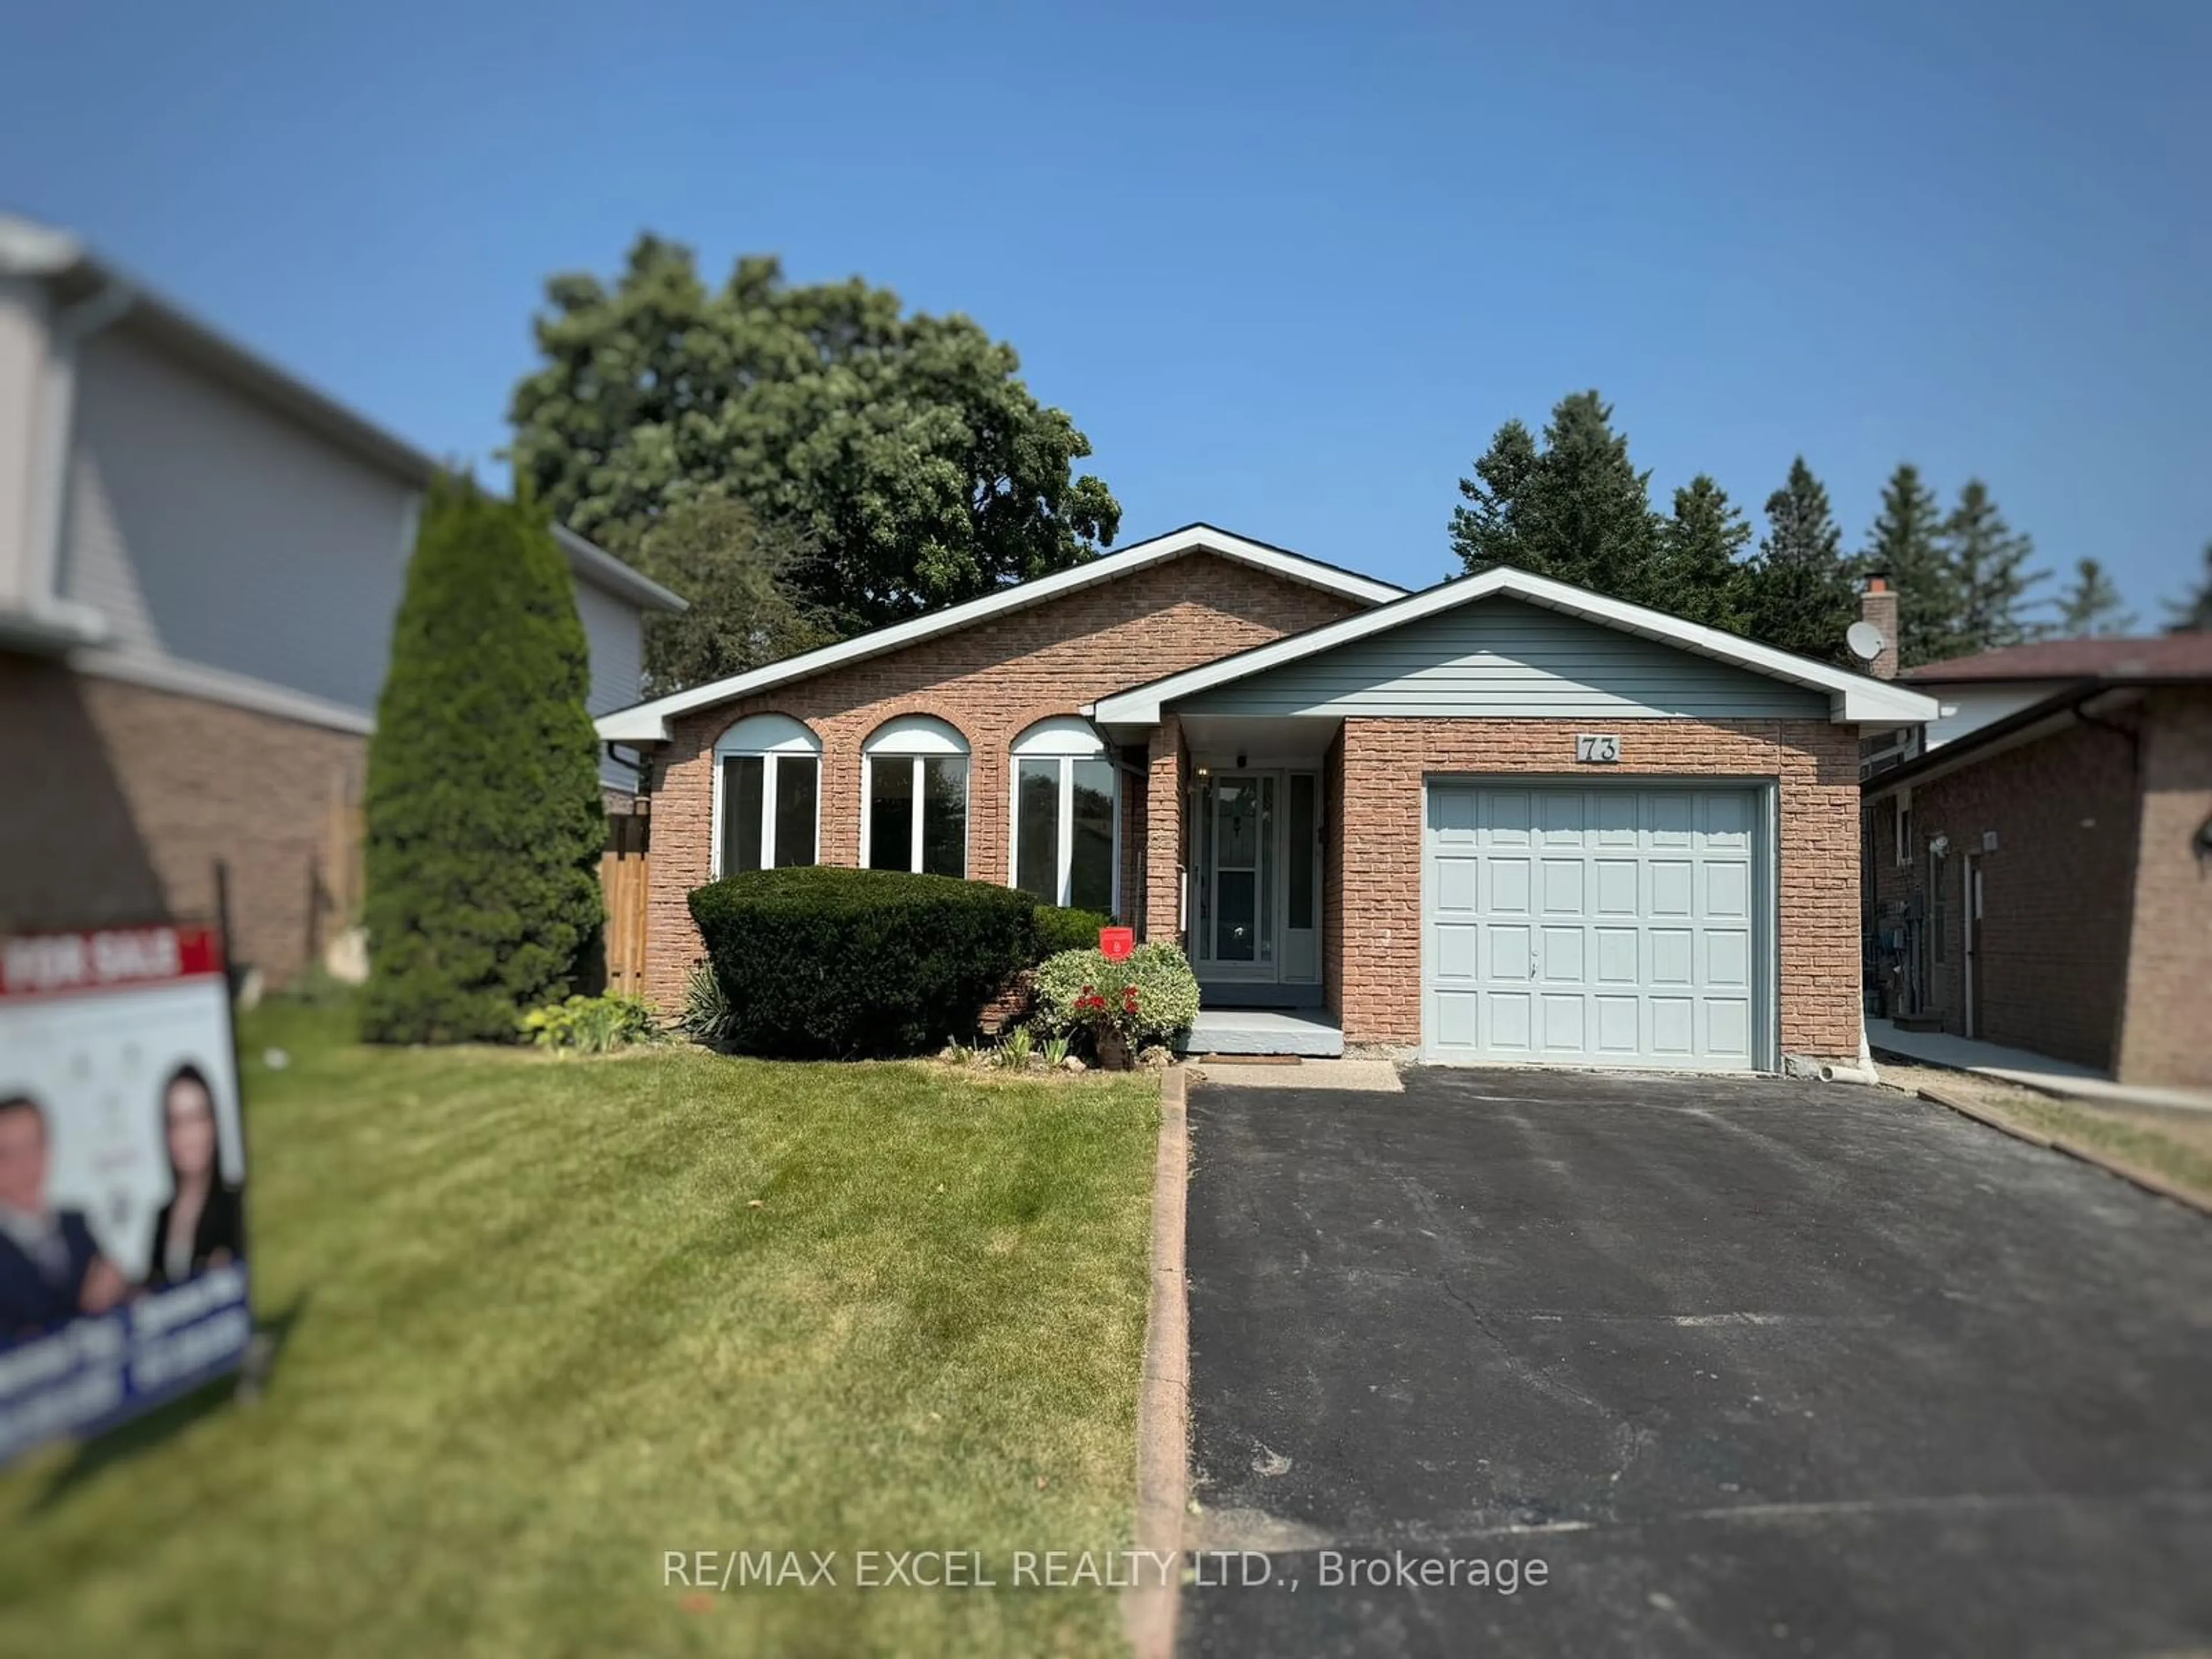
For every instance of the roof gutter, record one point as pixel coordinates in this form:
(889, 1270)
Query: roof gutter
(2055, 713)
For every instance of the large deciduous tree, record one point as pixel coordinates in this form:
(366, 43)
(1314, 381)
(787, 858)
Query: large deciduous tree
(1906, 547)
(1989, 574)
(1802, 598)
(1576, 509)
(485, 824)
(2092, 607)
(905, 448)
(736, 572)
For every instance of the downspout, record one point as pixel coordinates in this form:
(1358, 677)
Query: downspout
(68, 328)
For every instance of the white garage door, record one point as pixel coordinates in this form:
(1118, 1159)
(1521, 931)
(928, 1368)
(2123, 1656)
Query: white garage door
(1595, 927)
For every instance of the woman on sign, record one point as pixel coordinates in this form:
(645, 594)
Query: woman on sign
(203, 1223)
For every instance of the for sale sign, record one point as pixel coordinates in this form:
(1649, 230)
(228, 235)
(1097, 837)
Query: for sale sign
(123, 1277)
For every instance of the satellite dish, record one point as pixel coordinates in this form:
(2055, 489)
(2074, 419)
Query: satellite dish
(1865, 640)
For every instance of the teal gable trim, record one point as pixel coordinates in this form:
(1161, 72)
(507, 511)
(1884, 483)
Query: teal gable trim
(1500, 657)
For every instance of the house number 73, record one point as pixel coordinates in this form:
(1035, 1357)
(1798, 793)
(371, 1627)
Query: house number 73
(1599, 748)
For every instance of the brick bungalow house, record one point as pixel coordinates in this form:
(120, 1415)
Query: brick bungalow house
(2040, 859)
(201, 558)
(1500, 820)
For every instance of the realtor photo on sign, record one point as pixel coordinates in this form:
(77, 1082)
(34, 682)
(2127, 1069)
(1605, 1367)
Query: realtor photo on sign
(122, 1178)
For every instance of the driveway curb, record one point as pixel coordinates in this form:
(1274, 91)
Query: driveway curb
(1148, 1609)
(2150, 1180)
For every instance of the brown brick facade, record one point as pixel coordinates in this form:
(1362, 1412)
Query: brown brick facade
(2096, 930)
(1372, 889)
(2167, 1032)
(121, 798)
(989, 681)
(2055, 890)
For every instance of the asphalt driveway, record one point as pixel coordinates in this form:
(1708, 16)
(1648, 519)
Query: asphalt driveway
(1751, 1366)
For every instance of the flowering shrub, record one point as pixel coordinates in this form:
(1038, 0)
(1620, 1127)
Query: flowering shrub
(1152, 997)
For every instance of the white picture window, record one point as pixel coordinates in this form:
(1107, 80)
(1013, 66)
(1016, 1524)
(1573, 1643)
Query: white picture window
(768, 785)
(1065, 845)
(913, 777)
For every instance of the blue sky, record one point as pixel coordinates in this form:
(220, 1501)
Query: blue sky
(1288, 264)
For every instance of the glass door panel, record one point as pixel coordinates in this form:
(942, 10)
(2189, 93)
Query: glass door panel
(1242, 824)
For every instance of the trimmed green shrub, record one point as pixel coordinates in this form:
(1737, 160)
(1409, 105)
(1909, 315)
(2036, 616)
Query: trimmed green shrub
(590, 1025)
(826, 962)
(1060, 929)
(1167, 991)
(484, 819)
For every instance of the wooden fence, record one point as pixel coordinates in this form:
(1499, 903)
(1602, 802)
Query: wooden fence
(624, 868)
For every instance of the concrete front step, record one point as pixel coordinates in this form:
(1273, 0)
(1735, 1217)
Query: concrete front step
(1264, 1031)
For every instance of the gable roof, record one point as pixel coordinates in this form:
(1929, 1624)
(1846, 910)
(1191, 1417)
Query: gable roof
(1851, 697)
(2185, 656)
(647, 722)
(75, 276)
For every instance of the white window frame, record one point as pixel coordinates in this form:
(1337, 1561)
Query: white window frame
(766, 737)
(1065, 739)
(1901, 827)
(909, 740)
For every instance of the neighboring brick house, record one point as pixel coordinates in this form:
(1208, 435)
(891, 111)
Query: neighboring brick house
(1502, 818)
(2040, 872)
(200, 562)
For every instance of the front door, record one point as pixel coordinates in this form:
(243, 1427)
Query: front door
(1258, 926)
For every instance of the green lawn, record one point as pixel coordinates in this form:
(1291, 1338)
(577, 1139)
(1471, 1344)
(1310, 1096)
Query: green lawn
(544, 1320)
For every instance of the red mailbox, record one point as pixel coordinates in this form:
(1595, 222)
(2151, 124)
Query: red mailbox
(1116, 943)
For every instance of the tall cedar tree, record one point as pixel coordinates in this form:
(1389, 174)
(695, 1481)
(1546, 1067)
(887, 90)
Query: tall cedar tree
(2193, 614)
(1906, 547)
(2093, 608)
(1802, 597)
(1989, 571)
(906, 449)
(1699, 574)
(485, 824)
(1576, 510)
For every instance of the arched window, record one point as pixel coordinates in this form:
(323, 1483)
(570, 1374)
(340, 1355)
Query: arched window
(1066, 831)
(768, 776)
(913, 776)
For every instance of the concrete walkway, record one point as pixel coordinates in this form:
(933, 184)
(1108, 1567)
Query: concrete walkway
(1307, 1031)
(2030, 1070)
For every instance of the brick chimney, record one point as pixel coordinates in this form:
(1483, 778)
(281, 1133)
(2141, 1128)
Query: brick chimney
(1878, 608)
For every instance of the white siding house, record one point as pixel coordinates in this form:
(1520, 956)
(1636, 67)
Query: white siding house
(201, 561)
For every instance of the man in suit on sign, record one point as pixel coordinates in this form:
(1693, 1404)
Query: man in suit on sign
(51, 1267)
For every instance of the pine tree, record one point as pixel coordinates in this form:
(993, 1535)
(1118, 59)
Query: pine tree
(1988, 570)
(2193, 614)
(1801, 596)
(1486, 532)
(2093, 608)
(1699, 574)
(1577, 509)
(485, 824)
(1906, 547)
